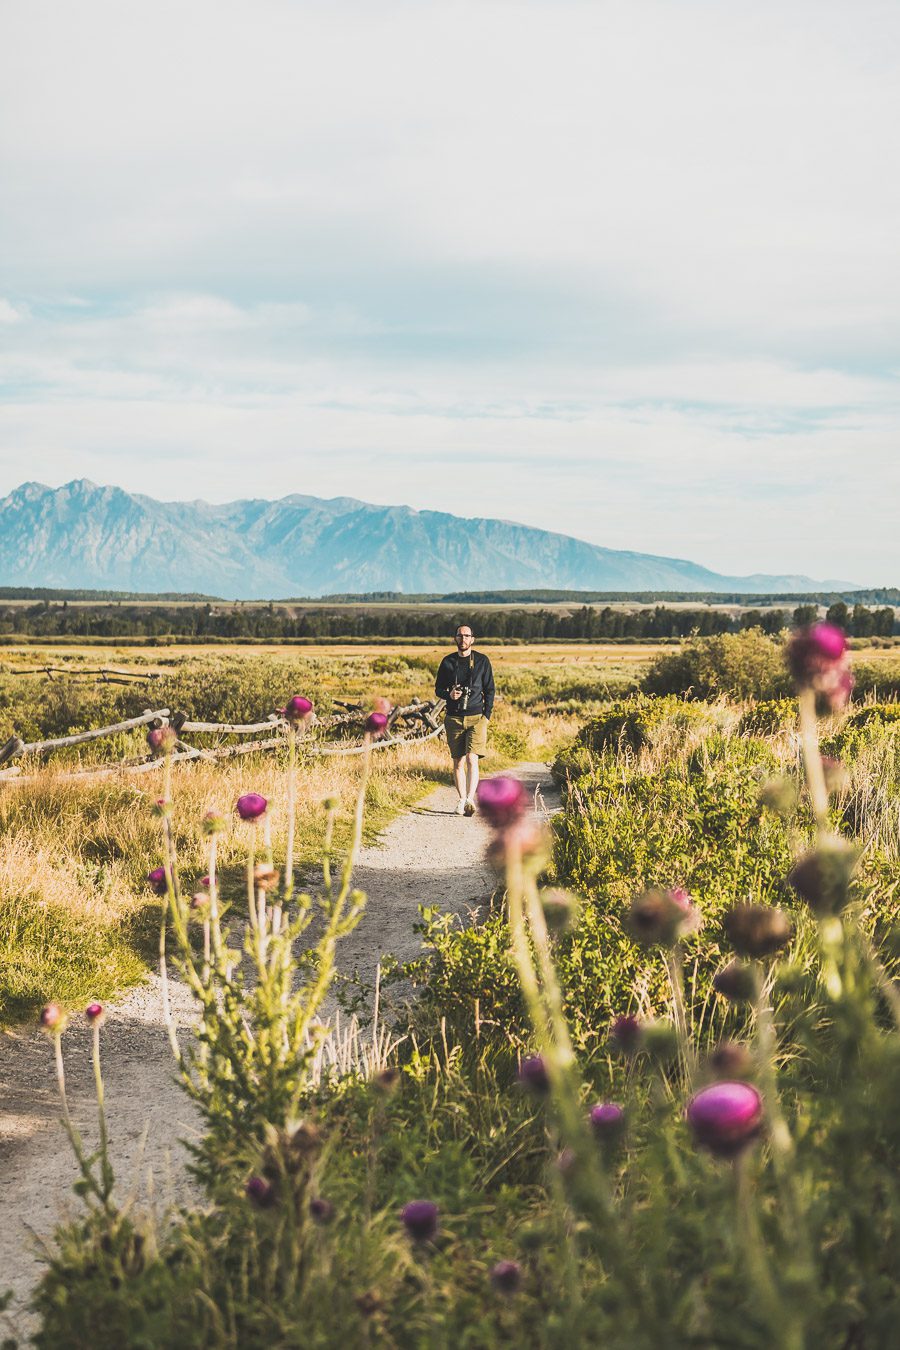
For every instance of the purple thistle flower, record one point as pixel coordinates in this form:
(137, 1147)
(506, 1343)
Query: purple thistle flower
(502, 800)
(297, 709)
(376, 725)
(420, 1219)
(726, 1117)
(607, 1121)
(161, 740)
(156, 880)
(251, 806)
(94, 1012)
(506, 1276)
(533, 1074)
(261, 1192)
(817, 659)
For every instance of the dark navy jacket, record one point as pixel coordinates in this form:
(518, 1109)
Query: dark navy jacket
(472, 672)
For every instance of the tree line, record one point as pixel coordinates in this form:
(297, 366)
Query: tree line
(268, 622)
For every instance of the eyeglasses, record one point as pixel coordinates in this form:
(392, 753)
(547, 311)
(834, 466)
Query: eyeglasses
(463, 635)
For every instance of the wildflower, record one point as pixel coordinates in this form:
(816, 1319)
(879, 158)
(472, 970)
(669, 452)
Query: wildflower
(376, 725)
(212, 823)
(94, 1012)
(52, 1018)
(731, 1059)
(156, 880)
(162, 740)
(822, 877)
(297, 709)
(560, 909)
(502, 800)
(736, 982)
(506, 1276)
(321, 1210)
(261, 1192)
(251, 806)
(200, 901)
(420, 1219)
(626, 1034)
(607, 1121)
(662, 918)
(533, 1074)
(757, 930)
(817, 659)
(726, 1117)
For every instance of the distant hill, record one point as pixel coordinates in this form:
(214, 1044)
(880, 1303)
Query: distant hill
(81, 536)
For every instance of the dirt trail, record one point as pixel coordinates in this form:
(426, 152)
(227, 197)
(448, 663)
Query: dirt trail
(428, 856)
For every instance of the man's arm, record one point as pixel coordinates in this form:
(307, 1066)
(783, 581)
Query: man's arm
(488, 687)
(444, 680)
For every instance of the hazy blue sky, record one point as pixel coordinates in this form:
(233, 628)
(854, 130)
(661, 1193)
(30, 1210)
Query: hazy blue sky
(623, 270)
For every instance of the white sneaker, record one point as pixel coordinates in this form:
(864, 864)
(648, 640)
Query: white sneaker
(461, 807)
(469, 807)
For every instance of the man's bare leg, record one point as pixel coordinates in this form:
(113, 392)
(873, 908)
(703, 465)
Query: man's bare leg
(459, 773)
(472, 777)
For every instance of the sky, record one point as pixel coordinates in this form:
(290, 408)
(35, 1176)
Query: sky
(623, 270)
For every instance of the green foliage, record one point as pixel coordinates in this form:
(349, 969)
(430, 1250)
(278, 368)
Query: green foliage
(769, 717)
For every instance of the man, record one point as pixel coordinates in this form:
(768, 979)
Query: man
(465, 679)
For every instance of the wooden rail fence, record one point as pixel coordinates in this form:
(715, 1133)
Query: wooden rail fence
(413, 723)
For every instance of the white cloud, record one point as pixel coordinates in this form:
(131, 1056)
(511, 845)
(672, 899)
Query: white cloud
(631, 265)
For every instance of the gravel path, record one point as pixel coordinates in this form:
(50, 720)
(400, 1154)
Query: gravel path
(429, 856)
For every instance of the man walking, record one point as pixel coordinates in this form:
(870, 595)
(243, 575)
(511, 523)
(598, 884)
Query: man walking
(465, 679)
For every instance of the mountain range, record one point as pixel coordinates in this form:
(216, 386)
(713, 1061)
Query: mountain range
(82, 535)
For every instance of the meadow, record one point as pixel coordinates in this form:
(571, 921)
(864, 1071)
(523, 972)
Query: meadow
(650, 1097)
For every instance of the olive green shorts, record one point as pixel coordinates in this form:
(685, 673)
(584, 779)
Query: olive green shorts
(467, 735)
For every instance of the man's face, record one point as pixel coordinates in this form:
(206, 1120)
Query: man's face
(464, 639)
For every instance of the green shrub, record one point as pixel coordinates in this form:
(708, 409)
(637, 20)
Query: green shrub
(741, 665)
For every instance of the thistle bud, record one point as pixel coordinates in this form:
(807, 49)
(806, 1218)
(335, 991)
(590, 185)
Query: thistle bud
(156, 880)
(506, 1276)
(660, 1040)
(265, 876)
(386, 1081)
(533, 1075)
(626, 1035)
(731, 1059)
(200, 902)
(322, 1211)
(251, 806)
(162, 740)
(94, 1012)
(736, 982)
(212, 823)
(420, 1219)
(822, 877)
(560, 910)
(502, 801)
(526, 839)
(726, 1117)
(331, 803)
(260, 1192)
(52, 1018)
(662, 918)
(757, 930)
